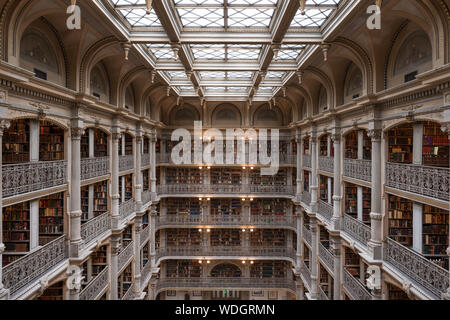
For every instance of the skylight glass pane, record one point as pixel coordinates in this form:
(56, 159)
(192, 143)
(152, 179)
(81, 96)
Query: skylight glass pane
(253, 2)
(183, 88)
(212, 74)
(313, 18)
(140, 18)
(201, 17)
(198, 2)
(161, 51)
(249, 17)
(290, 52)
(244, 52)
(240, 75)
(128, 2)
(265, 89)
(275, 75)
(215, 88)
(208, 52)
(238, 89)
(177, 74)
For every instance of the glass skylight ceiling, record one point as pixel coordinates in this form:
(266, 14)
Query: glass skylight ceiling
(225, 14)
(224, 42)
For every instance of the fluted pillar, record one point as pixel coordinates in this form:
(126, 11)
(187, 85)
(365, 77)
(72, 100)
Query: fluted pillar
(299, 219)
(336, 250)
(4, 124)
(299, 142)
(337, 196)
(314, 262)
(153, 161)
(152, 218)
(115, 196)
(114, 267)
(137, 290)
(314, 172)
(375, 243)
(75, 189)
(138, 171)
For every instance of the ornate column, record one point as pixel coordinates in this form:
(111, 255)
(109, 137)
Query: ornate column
(75, 187)
(299, 249)
(137, 290)
(299, 141)
(4, 124)
(335, 248)
(115, 196)
(314, 263)
(153, 161)
(114, 267)
(138, 169)
(337, 197)
(375, 243)
(152, 224)
(314, 172)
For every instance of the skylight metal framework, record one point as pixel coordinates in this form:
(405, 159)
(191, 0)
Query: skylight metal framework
(225, 44)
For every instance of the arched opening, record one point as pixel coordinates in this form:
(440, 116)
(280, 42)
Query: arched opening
(99, 83)
(130, 99)
(354, 83)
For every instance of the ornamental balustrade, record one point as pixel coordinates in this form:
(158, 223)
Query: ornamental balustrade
(127, 208)
(306, 161)
(306, 273)
(357, 229)
(417, 268)
(94, 167)
(325, 210)
(358, 169)
(306, 197)
(326, 256)
(322, 295)
(433, 182)
(230, 283)
(96, 286)
(146, 197)
(145, 272)
(326, 164)
(287, 159)
(125, 256)
(31, 267)
(307, 236)
(225, 251)
(32, 176)
(144, 235)
(126, 162)
(145, 159)
(129, 295)
(355, 289)
(225, 189)
(95, 227)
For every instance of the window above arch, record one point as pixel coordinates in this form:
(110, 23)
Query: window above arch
(129, 99)
(354, 83)
(98, 84)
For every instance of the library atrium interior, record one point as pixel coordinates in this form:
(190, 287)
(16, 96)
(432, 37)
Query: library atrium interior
(94, 207)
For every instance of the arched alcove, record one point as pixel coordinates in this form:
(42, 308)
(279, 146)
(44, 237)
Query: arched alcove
(99, 83)
(226, 115)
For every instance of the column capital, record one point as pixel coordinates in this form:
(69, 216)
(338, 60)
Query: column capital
(76, 133)
(336, 137)
(375, 134)
(4, 125)
(376, 216)
(116, 136)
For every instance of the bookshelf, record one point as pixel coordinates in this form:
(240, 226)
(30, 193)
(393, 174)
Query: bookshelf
(183, 176)
(435, 234)
(306, 180)
(84, 145)
(100, 198)
(352, 262)
(268, 269)
(16, 231)
(280, 179)
(323, 146)
(323, 180)
(226, 176)
(400, 220)
(351, 201)
(99, 260)
(401, 144)
(226, 270)
(16, 142)
(53, 293)
(324, 237)
(226, 207)
(100, 144)
(294, 176)
(51, 142)
(51, 218)
(146, 145)
(145, 254)
(436, 146)
(306, 147)
(85, 204)
(395, 293)
(268, 238)
(128, 186)
(158, 146)
(128, 144)
(183, 206)
(183, 269)
(367, 204)
(183, 237)
(351, 146)
(146, 180)
(225, 237)
(124, 281)
(324, 279)
(127, 236)
(268, 207)
(306, 256)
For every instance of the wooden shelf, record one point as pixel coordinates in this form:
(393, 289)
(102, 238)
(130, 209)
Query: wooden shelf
(16, 229)
(51, 218)
(51, 142)
(400, 220)
(183, 206)
(16, 142)
(226, 207)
